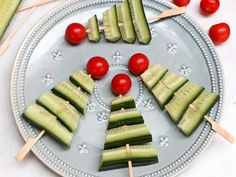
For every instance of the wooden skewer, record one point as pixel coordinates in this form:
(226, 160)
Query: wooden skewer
(131, 172)
(7, 42)
(217, 128)
(35, 4)
(28, 146)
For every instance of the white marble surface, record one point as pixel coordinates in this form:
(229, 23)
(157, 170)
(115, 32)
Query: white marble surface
(218, 160)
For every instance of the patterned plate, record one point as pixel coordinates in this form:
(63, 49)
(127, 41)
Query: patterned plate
(45, 59)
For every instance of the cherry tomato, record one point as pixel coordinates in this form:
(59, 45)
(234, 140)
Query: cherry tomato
(219, 33)
(121, 84)
(97, 67)
(138, 63)
(75, 33)
(209, 6)
(181, 3)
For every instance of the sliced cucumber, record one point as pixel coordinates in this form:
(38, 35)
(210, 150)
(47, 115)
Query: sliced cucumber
(125, 117)
(41, 118)
(140, 22)
(72, 94)
(65, 112)
(125, 22)
(93, 28)
(133, 134)
(83, 80)
(118, 158)
(181, 100)
(165, 88)
(194, 115)
(151, 76)
(7, 11)
(110, 24)
(124, 102)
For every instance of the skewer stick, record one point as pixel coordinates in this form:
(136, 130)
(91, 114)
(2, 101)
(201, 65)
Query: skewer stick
(217, 128)
(7, 42)
(28, 146)
(35, 4)
(131, 172)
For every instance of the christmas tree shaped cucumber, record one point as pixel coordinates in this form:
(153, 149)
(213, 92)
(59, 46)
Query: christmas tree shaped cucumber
(126, 126)
(58, 113)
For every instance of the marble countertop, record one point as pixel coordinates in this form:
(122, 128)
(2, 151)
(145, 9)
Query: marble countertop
(218, 160)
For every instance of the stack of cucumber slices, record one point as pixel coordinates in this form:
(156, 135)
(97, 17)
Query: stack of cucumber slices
(58, 112)
(126, 126)
(186, 102)
(125, 21)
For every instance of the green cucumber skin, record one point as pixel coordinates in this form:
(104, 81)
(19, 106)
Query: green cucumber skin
(141, 24)
(135, 120)
(49, 129)
(186, 97)
(125, 105)
(131, 141)
(125, 18)
(94, 35)
(111, 25)
(191, 120)
(70, 120)
(80, 84)
(5, 19)
(71, 100)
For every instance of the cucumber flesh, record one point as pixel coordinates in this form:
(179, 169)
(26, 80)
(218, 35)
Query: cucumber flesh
(7, 11)
(73, 94)
(43, 119)
(93, 27)
(140, 21)
(110, 24)
(125, 117)
(193, 116)
(118, 157)
(151, 76)
(133, 134)
(181, 100)
(83, 80)
(165, 88)
(125, 102)
(125, 22)
(65, 112)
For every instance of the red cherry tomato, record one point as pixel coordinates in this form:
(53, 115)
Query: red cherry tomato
(219, 33)
(209, 6)
(97, 67)
(121, 84)
(75, 33)
(181, 3)
(138, 63)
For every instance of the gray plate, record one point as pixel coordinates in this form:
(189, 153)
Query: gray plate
(46, 59)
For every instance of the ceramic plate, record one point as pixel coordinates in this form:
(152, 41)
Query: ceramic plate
(45, 59)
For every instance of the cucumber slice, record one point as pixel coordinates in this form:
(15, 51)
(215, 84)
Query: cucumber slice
(165, 88)
(93, 27)
(118, 158)
(140, 21)
(72, 94)
(83, 80)
(7, 11)
(125, 102)
(65, 112)
(151, 76)
(43, 119)
(125, 117)
(182, 98)
(110, 24)
(193, 116)
(133, 134)
(125, 22)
